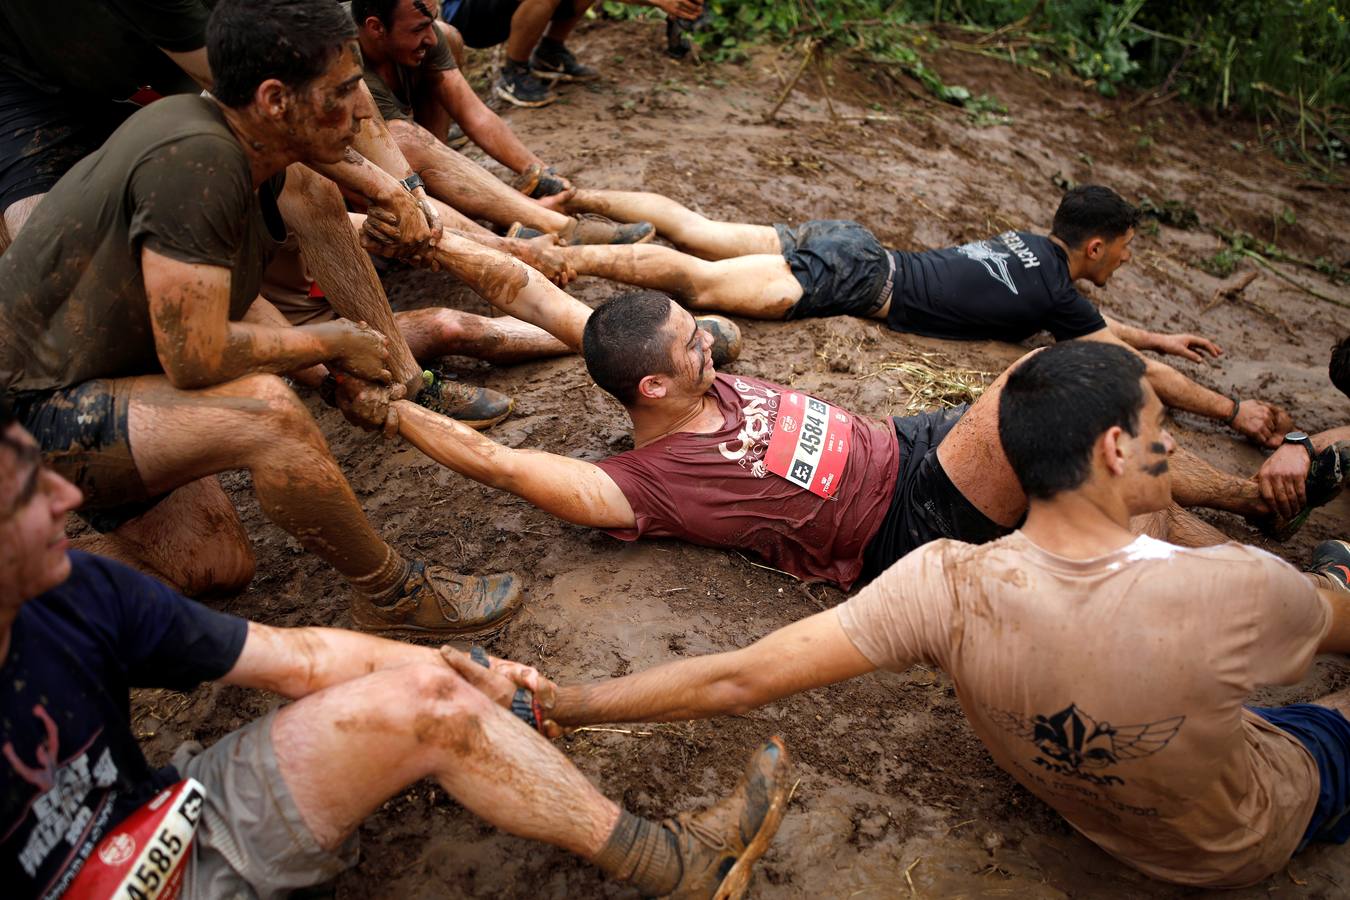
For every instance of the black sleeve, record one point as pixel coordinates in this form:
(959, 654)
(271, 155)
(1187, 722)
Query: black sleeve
(162, 638)
(176, 25)
(1073, 316)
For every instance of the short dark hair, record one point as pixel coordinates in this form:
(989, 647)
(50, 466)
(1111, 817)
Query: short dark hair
(293, 41)
(1090, 211)
(380, 9)
(1056, 404)
(625, 341)
(1339, 367)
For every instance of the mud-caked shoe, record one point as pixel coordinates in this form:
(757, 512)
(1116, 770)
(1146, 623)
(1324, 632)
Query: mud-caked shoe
(469, 404)
(553, 61)
(589, 228)
(523, 232)
(1327, 474)
(1331, 563)
(718, 846)
(433, 601)
(726, 335)
(518, 86)
(456, 138)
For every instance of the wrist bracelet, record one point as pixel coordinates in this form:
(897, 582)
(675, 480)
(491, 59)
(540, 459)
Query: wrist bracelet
(411, 183)
(1237, 405)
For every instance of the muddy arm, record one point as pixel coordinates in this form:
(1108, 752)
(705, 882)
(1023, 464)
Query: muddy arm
(804, 655)
(571, 489)
(1186, 345)
(483, 126)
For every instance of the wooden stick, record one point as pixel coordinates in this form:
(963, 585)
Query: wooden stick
(808, 52)
(1230, 291)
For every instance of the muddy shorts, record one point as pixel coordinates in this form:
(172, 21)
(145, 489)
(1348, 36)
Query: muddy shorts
(43, 134)
(842, 268)
(251, 841)
(487, 23)
(1325, 733)
(926, 505)
(85, 438)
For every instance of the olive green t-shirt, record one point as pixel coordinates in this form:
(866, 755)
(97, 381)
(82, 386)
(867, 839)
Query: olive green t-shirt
(174, 179)
(395, 101)
(103, 48)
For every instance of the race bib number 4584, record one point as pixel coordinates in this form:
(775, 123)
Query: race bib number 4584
(810, 443)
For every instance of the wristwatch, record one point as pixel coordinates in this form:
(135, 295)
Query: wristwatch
(1298, 437)
(411, 183)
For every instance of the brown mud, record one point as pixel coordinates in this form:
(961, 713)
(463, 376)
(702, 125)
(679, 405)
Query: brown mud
(897, 797)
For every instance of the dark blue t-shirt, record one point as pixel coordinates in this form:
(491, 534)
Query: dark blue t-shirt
(1006, 288)
(69, 765)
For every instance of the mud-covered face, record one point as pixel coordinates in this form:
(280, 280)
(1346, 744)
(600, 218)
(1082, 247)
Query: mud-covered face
(34, 501)
(1147, 478)
(325, 115)
(413, 33)
(1114, 254)
(690, 352)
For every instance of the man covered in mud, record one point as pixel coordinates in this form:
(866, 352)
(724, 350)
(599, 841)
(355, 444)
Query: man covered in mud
(1073, 643)
(143, 361)
(274, 805)
(421, 93)
(740, 462)
(1006, 288)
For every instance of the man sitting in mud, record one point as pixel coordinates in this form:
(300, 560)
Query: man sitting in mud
(1006, 288)
(274, 805)
(740, 462)
(144, 363)
(420, 92)
(1072, 644)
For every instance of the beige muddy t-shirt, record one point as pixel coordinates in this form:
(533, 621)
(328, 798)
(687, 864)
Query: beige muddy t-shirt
(1113, 688)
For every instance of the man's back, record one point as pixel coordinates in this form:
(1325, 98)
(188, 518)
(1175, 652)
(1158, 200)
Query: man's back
(1113, 688)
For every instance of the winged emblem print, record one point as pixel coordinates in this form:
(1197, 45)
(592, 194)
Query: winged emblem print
(983, 252)
(1075, 739)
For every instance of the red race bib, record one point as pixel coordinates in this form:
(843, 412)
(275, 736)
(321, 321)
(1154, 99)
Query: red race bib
(810, 443)
(144, 856)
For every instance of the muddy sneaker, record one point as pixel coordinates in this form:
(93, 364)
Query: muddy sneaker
(553, 61)
(518, 86)
(523, 232)
(528, 180)
(433, 601)
(726, 338)
(718, 846)
(469, 404)
(1326, 476)
(1331, 561)
(589, 228)
(456, 138)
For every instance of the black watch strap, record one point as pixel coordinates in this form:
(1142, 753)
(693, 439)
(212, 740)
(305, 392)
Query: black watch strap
(1298, 437)
(412, 182)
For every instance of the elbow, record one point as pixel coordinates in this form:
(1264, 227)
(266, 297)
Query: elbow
(735, 695)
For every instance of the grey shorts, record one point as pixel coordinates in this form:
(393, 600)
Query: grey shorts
(251, 841)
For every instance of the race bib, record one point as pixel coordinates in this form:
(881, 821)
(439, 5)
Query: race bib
(145, 856)
(810, 443)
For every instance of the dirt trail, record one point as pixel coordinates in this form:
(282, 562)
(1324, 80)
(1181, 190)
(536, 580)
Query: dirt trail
(897, 798)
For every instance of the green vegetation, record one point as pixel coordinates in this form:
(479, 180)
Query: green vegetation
(1284, 63)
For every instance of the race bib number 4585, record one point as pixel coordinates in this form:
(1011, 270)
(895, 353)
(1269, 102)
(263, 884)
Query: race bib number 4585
(810, 443)
(145, 856)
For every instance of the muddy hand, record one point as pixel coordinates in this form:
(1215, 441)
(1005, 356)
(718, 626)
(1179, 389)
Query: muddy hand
(362, 351)
(401, 224)
(1188, 345)
(680, 9)
(1283, 480)
(367, 405)
(558, 202)
(1257, 421)
(501, 678)
(544, 254)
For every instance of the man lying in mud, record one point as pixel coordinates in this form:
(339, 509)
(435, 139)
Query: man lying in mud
(144, 363)
(740, 462)
(1006, 288)
(420, 93)
(1072, 646)
(274, 805)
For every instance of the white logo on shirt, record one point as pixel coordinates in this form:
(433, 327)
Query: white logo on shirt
(995, 261)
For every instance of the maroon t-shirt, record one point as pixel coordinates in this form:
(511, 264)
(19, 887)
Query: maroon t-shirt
(714, 489)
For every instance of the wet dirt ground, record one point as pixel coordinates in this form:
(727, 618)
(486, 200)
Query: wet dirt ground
(896, 796)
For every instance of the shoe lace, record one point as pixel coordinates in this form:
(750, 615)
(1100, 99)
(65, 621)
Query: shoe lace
(705, 834)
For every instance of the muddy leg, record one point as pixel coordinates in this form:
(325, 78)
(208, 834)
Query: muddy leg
(191, 540)
(527, 27)
(313, 209)
(560, 29)
(437, 332)
(680, 225)
(467, 186)
(759, 287)
(257, 423)
(345, 750)
(1197, 483)
(1176, 526)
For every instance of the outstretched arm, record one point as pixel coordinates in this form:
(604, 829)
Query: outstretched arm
(296, 662)
(483, 126)
(571, 489)
(1257, 420)
(804, 655)
(1187, 345)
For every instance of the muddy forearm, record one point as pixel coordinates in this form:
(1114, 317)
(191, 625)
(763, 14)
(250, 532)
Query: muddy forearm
(689, 689)
(360, 176)
(297, 662)
(1137, 338)
(1179, 392)
(488, 131)
(251, 349)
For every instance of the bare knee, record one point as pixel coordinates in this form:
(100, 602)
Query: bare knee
(223, 567)
(279, 412)
(444, 711)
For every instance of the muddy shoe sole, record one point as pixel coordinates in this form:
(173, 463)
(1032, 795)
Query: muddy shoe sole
(737, 879)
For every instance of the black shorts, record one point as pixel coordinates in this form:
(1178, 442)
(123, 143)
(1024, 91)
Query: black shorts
(43, 134)
(842, 268)
(487, 23)
(926, 505)
(84, 436)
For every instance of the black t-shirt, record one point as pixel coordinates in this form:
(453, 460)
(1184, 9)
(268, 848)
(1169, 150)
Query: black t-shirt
(102, 48)
(1006, 288)
(70, 767)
